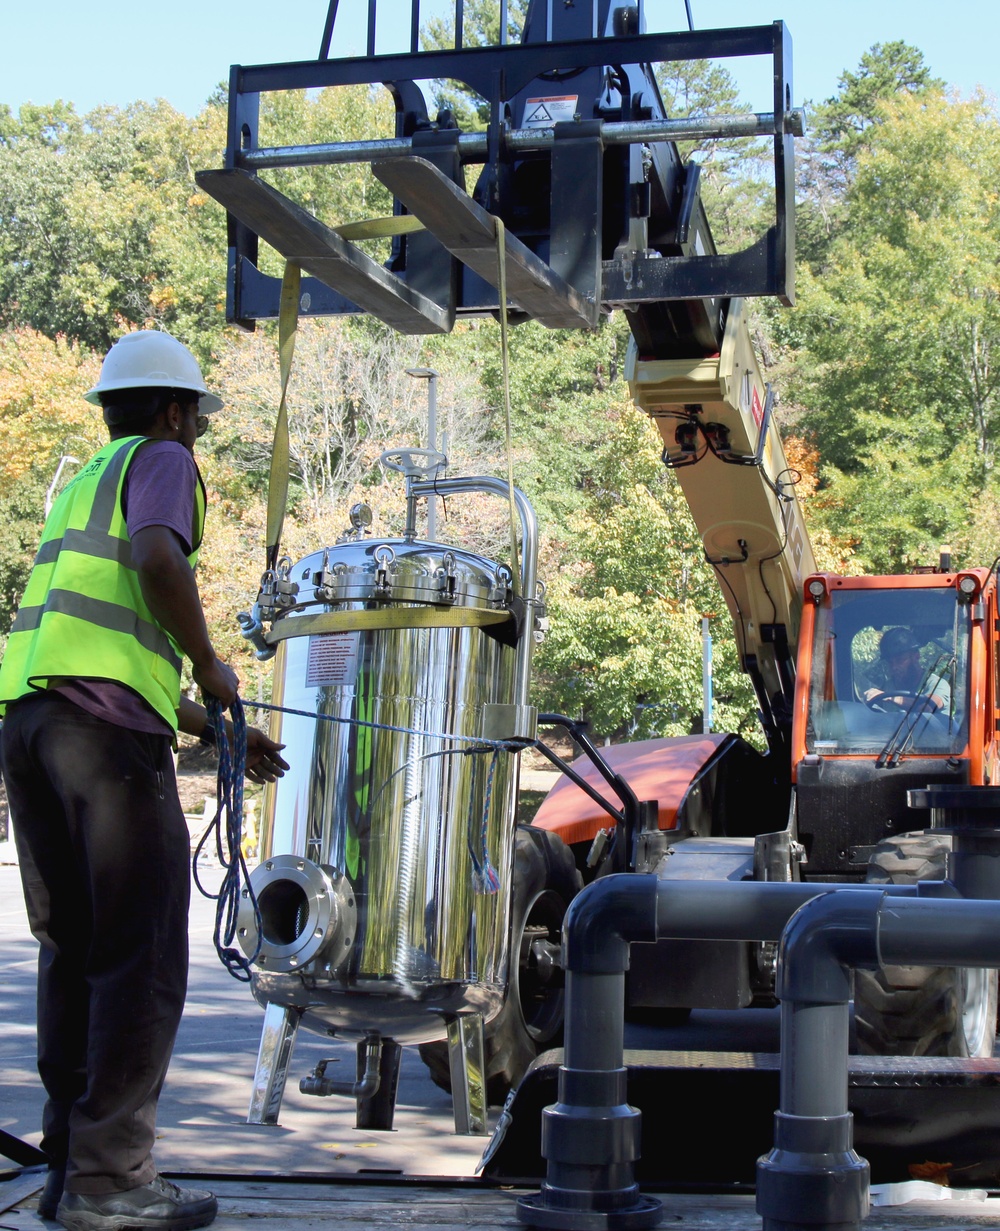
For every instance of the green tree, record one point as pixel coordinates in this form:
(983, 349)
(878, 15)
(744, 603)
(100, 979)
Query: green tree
(562, 384)
(900, 337)
(839, 129)
(100, 224)
(335, 194)
(44, 419)
(626, 596)
(22, 510)
(42, 412)
(843, 122)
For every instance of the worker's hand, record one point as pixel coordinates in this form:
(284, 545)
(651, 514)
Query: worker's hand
(217, 680)
(264, 763)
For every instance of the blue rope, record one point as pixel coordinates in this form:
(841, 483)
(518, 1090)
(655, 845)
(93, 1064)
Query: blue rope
(229, 813)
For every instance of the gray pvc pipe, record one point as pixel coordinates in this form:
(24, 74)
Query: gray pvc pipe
(945, 932)
(746, 910)
(827, 935)
(848, 928)
(614, 911)
(808, 1031)
(595, 1033)
(824, 932)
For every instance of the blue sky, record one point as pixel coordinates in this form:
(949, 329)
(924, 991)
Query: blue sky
(90, 54)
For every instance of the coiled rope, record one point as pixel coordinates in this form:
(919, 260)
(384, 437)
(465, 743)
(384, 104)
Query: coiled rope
(229, 849)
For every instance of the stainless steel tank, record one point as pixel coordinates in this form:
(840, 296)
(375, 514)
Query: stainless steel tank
(386, 851)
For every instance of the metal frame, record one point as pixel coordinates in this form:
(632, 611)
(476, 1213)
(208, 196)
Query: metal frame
(628, 280)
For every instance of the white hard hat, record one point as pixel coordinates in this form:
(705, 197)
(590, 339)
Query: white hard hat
(152, 359)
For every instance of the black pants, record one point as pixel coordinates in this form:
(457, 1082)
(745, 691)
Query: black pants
(103, 850)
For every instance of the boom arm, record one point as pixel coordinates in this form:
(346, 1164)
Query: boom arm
(714, 415)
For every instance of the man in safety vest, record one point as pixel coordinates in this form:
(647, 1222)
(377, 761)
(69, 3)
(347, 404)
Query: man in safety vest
(90, 686)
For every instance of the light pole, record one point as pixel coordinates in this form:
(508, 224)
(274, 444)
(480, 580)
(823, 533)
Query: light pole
(431, 376)
(50, 495)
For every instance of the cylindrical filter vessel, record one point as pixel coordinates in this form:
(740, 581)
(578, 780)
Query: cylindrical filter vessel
(386, 850)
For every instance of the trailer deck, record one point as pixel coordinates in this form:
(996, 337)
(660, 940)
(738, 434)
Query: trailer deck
(455, 1205)
(317, 1169)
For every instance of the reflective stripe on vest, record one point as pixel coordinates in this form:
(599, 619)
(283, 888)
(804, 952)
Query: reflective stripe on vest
(83, 615)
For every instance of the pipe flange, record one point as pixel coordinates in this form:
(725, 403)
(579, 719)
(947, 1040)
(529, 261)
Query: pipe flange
(308, 914)
(960, 809)
(539, 1210)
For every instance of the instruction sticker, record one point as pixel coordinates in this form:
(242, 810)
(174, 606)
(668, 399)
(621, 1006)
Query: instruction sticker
(546, 112)
(333, 660)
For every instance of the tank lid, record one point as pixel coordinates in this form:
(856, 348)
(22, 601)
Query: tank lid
(397, 571)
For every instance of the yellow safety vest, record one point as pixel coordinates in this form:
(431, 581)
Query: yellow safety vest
(82, 615)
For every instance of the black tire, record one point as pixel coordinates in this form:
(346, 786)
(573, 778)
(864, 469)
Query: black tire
(546, 880)
(922, 1010)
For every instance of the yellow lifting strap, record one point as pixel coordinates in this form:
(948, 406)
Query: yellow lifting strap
(288, 322)
(277, 484)
(288, 319)
(502, 289)
(383, 618)
(380, 228)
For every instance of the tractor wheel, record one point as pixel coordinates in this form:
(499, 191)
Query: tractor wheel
(546, 880)
(922, 1010)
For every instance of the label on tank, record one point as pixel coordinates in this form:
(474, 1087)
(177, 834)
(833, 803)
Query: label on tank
(332, 659)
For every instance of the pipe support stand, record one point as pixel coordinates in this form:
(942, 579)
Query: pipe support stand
(537, 1212)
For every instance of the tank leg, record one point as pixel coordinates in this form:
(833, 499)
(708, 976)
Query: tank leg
(468, 1074)
(376, 1112)
(277, 1038)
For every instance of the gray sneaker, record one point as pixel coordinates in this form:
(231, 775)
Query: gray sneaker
(158, 1204)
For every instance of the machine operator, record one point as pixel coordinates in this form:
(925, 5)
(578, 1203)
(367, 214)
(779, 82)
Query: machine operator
(902, 676)
(90, 685)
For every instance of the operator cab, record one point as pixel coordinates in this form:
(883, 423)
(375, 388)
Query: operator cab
(894, 693)
(890, 673)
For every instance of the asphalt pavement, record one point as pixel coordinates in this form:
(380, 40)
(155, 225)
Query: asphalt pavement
(202, 1117)
(201, 1125)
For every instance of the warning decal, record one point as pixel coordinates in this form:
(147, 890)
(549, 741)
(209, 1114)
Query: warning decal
(757, 407)
(545, 112)
(333, 660)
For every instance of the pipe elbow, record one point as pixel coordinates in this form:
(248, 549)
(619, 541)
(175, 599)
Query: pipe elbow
(604, 918)
(826, 938)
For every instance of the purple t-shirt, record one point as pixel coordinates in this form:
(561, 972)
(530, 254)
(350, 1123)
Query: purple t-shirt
(159, 491)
